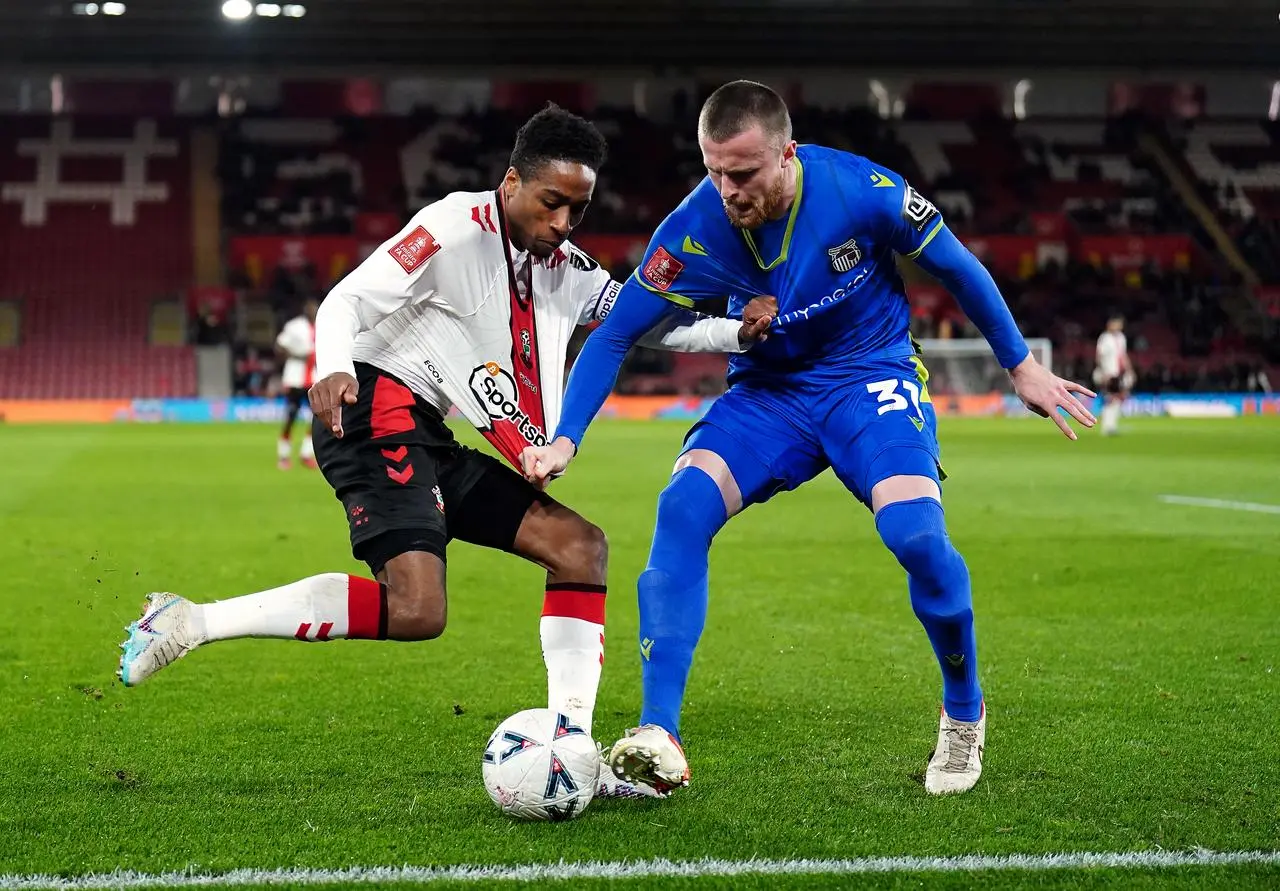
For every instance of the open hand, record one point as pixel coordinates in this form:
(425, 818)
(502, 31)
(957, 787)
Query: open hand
(1044, 393)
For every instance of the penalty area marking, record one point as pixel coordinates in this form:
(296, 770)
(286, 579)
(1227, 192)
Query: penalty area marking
(1251, 506)
(641, 869)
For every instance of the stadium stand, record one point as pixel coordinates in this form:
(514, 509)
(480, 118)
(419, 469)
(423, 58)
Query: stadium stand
(1076, 217)
(94, 228)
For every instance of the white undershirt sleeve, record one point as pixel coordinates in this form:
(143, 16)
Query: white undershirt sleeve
(690, 332)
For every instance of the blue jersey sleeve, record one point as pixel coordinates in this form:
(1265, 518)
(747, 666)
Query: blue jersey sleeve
(677, 266)
(952, 264)
(913, 227)
(636, 311)
(904, 219)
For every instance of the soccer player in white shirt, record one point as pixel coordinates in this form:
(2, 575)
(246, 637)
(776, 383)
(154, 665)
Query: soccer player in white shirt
(296, 344)
(472, 305)
(1113, 372)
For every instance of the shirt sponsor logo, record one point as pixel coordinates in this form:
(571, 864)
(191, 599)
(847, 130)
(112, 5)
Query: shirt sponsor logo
(496, 389)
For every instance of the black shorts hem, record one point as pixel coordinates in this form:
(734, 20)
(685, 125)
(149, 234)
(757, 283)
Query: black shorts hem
(379, 550)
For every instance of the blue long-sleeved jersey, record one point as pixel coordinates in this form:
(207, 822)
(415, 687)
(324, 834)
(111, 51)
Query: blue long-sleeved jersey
(830, 264)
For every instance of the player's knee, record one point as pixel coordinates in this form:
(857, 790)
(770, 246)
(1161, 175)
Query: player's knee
(693, 505)
(914, 532)
(416, 597)
(418, 612)
(920, 550)
(942, 603)
(583, 554)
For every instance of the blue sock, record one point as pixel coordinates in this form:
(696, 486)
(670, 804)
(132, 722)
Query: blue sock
(916, 532)
(673, 591)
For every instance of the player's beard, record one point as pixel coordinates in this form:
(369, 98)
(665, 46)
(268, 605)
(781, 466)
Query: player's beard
(759, 211)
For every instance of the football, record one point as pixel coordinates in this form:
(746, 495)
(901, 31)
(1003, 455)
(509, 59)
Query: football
(539, 765)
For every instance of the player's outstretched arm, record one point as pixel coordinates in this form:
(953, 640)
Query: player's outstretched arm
(951, 263)
(686, 331)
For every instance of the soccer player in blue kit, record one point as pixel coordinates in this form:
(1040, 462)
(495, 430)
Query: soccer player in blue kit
(838, 384)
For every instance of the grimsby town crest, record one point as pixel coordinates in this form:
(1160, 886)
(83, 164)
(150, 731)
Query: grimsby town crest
(846, 256)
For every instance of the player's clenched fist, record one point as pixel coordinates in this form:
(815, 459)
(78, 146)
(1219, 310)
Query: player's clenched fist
(541, 463)
(757, 316)
(329, 395)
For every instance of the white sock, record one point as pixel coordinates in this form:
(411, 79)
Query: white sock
(322, 607)
(284, 449)
(572, 632)
(1111, 417)
(307, 452)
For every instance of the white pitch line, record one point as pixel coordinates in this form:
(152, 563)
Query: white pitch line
(1251, 506)
(640, 869)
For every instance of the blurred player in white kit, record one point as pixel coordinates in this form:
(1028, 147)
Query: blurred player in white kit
(296, 345)
(1113, 372)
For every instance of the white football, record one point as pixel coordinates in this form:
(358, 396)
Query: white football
(539, 765)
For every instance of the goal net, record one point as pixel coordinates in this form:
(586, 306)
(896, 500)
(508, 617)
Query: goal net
(967, 367)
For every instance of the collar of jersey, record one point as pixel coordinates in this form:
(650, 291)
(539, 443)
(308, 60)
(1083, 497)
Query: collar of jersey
(791, 225)
(513, 253)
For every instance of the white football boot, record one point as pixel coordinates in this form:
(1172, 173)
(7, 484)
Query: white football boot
(163, 635)
(650, 756)
(956, 763)
(611, 786)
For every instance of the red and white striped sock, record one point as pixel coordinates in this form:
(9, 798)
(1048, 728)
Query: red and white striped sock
(322, 607)
(572, 631)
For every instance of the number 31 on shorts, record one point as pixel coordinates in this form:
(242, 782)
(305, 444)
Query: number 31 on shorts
(890, 399)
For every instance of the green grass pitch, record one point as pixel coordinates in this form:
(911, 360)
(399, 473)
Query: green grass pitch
(1129, 648)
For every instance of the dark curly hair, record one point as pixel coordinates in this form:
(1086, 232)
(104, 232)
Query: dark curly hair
(554, 134)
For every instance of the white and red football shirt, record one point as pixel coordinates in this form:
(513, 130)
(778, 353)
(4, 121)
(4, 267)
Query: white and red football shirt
(464, 318)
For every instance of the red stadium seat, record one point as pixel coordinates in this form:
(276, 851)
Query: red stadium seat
(95, 225)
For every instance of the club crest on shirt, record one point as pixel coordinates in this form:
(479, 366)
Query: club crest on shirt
(526, 346)
(845, 256)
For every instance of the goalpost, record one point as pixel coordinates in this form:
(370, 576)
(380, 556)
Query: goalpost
(966, 366)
